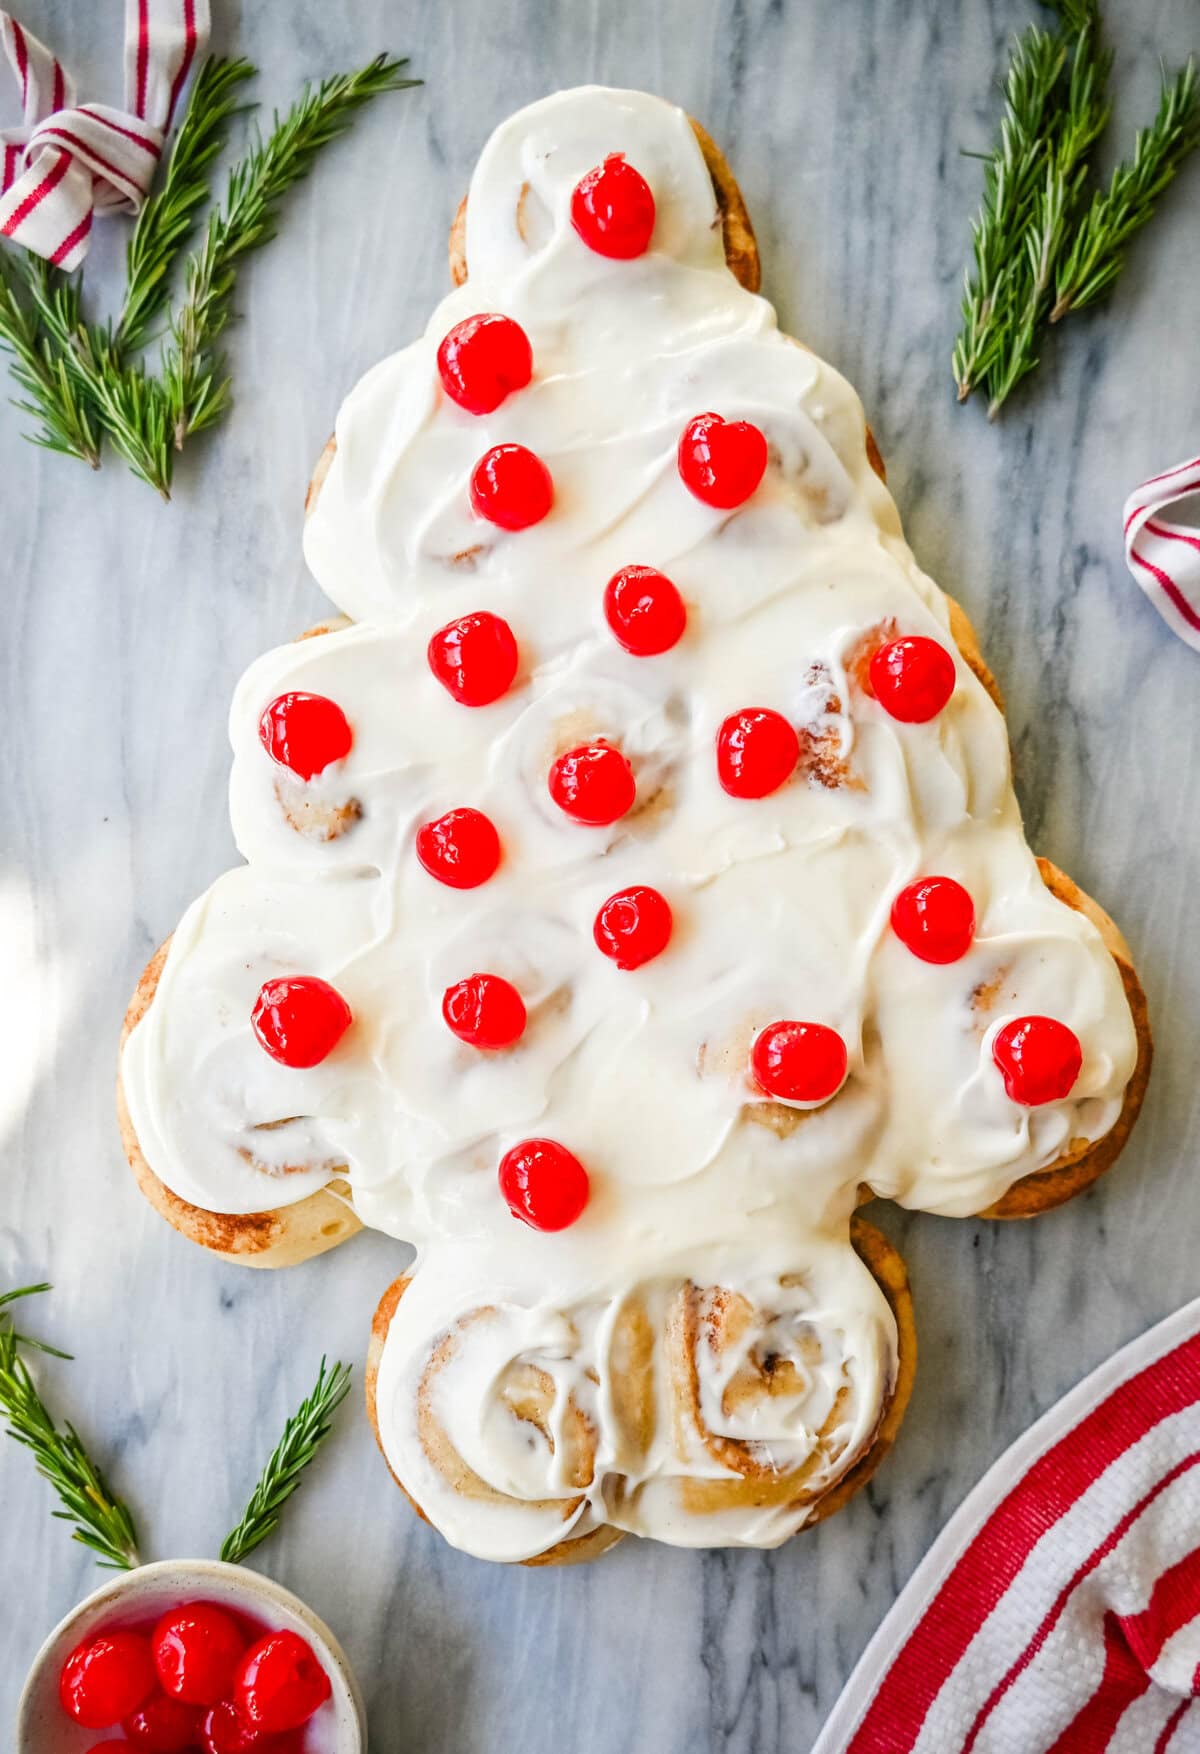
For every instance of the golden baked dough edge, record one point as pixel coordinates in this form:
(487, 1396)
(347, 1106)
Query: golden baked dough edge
(886, 1268)
(282, 1237)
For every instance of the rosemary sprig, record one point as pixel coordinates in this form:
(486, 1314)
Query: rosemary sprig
(41, 369)
(1010, 180)
(1055, 211)
(84, 382)
(1116, 213)
(303, 1436)
(26, 1339)
(197, 392)
(169, 216)
(100, 1520)
(1043, 243)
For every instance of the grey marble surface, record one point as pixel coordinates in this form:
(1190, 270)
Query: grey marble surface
(127, 623)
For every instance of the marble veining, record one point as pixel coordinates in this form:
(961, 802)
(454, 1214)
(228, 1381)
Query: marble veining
(128, 623)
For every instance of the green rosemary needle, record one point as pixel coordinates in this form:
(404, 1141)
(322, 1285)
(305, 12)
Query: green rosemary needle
(1012, 174)
(1044, 243)
(100, 1520)
(1054, 212)
(1098, 253)
(197, 392)
(169, 216)
(302, 1437)
(86, 382)
(41, 370)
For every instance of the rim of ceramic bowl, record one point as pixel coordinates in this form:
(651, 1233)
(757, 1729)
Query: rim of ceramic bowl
(41, 1725)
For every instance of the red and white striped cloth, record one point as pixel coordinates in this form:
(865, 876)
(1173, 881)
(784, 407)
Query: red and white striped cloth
(69, 161)
(1059, 1610)
(1164, 552)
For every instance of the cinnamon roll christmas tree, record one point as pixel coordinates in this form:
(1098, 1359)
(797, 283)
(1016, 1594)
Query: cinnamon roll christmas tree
(634, 886)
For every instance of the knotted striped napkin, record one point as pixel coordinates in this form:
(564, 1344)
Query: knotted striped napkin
(69, 161)
(1162, 545)
(1059, 1610)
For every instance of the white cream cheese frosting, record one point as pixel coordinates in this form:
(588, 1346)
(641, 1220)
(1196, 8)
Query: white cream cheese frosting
(781, 904)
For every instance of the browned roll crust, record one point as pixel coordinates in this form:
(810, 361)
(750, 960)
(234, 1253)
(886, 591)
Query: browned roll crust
(888, 1271)
(569, 1552)
(1084, 1162)
(891, 1275)
(280, 1238)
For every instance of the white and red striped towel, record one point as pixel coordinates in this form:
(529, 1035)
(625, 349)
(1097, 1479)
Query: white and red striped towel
(1059, 1610)
(68, 161)
(1162, 545)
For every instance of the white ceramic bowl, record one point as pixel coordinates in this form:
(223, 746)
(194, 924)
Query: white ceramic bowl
(340, 1727)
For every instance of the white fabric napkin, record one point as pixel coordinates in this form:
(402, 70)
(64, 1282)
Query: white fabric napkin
(1059, 1610)
(1162, 545)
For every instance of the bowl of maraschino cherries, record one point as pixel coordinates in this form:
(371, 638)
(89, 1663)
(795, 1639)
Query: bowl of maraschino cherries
(191, 1657)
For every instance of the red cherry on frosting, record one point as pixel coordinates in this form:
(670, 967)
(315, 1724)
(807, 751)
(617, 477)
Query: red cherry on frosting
(544, 1184)
(305, 732)
(163, 1726)
(1040, 1059)
(757, 752)
(105, 1678)
(799, 1062)
(299, 1020)
(474, 658)
(912, 678)
(935, 919)
(485, 1011)
(721, 461)
(460, 848)
(633, 926)
(593, 784)
(511, 487)
(482, 360)
(644, 610)
(612, 209)
(280, 1683)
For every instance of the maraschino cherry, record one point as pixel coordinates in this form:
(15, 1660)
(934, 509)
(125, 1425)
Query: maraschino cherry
(280, 1683)
(612, 209)
(482, 360)
(799, 1062)
(461, 848)
(305, 733)
(721, 461)
(474, 658)
(1039, 1059)
(299, 1020)
(593, 784)
(644, 610)
(633, 926)
(912, 678)
(511, 487)
(935, 919)
(757, 752)
(485, 1011)
(198, 1646)
(106, 1678)
(224, 1732)
(162, 1726)
(544, 1184)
